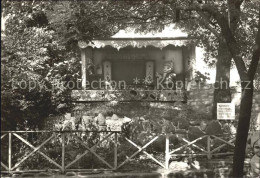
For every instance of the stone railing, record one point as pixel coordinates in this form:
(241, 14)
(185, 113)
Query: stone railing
(129, 95)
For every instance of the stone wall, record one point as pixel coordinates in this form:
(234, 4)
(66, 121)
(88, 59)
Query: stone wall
(198, 108)
(202, 100)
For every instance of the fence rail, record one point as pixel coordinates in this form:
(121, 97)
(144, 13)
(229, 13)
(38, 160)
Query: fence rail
(196, 149)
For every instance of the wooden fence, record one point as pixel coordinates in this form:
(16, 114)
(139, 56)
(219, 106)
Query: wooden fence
(209, 150)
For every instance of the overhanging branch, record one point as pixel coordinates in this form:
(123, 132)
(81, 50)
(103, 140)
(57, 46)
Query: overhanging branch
(233, 46)
(208, 26)
(256, 53)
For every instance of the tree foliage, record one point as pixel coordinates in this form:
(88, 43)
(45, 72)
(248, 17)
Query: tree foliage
(84, 20)
(32, 60)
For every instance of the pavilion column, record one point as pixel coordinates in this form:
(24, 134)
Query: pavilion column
(83, 69)
(190, 63)
(193, 61)
(86, 58)
(184, 59)
(189, 55)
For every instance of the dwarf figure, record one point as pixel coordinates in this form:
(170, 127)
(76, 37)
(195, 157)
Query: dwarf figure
(255, 161)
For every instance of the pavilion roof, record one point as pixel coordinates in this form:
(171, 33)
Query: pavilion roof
(138, 42)
(129, 37)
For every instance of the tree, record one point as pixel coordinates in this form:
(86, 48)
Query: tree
(84, 20)
(217, 55)
(31, 55)
(40, 48)
(246, 77)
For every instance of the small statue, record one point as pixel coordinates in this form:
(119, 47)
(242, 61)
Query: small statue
(91, 68)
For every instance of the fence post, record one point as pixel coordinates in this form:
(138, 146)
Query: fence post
(167, 155)
(63, 152)
(115, 152)
(10, 152)
(208, 147)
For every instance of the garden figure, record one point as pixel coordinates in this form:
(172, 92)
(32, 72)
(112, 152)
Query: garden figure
(203, 125)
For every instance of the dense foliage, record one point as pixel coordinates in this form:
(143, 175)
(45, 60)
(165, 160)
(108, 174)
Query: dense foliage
(34, 63)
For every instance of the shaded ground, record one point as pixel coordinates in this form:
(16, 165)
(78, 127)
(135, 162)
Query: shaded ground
(159, 174)
(218, 168)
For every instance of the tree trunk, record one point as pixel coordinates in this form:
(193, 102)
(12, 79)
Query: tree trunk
(221, 88)
(246, 75)
(243, 128)
(247, 93)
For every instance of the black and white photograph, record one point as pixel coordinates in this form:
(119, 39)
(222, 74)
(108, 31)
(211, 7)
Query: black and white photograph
(130, 88)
